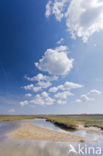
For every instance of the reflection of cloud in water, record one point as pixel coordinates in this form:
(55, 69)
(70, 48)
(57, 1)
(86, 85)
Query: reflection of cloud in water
(16, 147)
(32, 148)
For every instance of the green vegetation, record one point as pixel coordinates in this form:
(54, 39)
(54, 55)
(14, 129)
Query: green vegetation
(67, 122)
(16, 117)
(74, 120)
(63, 122)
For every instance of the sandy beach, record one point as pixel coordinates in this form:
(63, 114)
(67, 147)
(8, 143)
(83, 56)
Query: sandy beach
(32, 132)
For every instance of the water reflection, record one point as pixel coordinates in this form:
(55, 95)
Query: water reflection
(16, 147)
(46, 124)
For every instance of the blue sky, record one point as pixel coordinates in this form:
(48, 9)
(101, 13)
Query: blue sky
(51, 57)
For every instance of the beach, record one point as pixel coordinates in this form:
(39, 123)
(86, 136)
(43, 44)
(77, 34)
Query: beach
(32, 132)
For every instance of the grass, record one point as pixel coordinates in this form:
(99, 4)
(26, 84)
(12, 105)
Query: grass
(75, 120)
(63, 122)
(67, 122)
(16, 117)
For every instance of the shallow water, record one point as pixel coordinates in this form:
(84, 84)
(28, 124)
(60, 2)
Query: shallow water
(45, 124)
(16, 147)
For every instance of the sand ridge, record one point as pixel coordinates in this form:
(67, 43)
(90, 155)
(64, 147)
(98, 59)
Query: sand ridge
(33, 132)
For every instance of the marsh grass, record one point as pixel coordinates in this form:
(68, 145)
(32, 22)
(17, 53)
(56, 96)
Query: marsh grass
(75, 120)
(16, 117)
(67, 122)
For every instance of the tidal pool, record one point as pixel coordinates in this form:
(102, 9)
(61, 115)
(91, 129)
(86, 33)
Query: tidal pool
(16, 147)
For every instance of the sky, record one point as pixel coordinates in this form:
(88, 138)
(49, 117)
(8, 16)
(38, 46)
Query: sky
(51, 56)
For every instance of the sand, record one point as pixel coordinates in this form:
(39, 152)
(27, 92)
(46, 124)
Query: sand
(32, 132)
(94, 130)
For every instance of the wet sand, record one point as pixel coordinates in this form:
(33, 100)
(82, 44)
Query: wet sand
(32, 132)
(94, 130)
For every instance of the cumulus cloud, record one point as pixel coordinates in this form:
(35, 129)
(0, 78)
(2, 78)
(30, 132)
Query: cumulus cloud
(32, 88)
(38, 86)
(12, 110)
(28, 87)
(84, 98)
(57, 8)
(44, 94)
(36, 89)
(63, 95)
(89, 96)
(94, 92)
(61, 102)
(83, 18)
(43, 84)
(55, 61)
(66, 86)
(28, 95)
(53, 89)
(41, 77)
(48, 8)
(23, 103)
(71, 85)
(42, 99)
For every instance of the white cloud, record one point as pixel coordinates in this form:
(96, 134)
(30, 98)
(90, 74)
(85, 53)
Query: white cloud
(71, 85)
(83, 18)
(32, 88)
(42, 99)
(44, 94)
(53, 89)
(23, 103)
(41, 77)
(37, 101)
(95, 92)
(56, 8)
(55, 61)
(28, 95)
(61, 102)
(28, 87)
(43, 84)
(66, 86)
(60, 41)
(78, 100)
(12, 110)
(63, 95)
(48, 9)
(38, 86)
(85, 98)
(36, 89)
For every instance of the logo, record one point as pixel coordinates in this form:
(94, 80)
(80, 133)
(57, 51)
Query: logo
(82, 150)
(72, 149)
